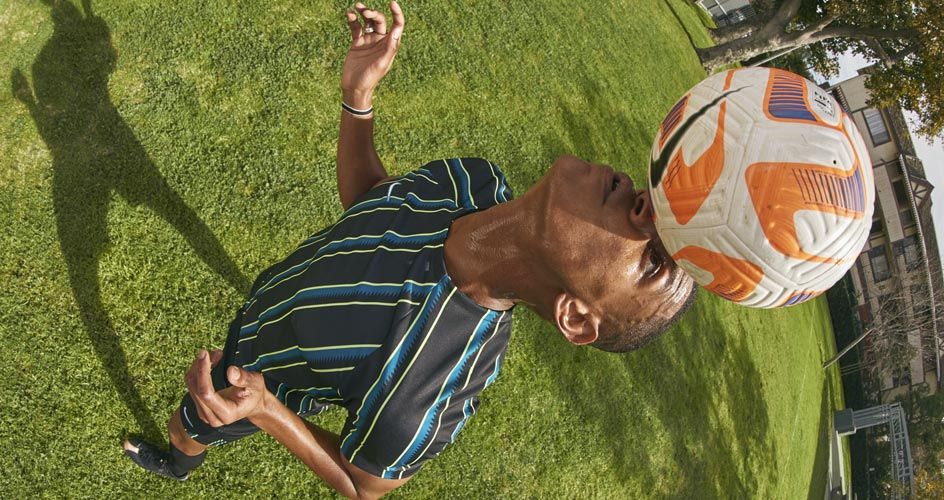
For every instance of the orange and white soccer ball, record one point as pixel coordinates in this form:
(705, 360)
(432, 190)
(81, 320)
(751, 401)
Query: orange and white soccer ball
(762, 187)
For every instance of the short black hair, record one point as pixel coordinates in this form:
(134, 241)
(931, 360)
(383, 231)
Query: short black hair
(622, 335)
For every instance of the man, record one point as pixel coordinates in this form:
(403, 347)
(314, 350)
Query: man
(401, 311)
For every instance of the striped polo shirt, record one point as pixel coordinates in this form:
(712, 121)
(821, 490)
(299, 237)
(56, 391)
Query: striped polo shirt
(363, 315)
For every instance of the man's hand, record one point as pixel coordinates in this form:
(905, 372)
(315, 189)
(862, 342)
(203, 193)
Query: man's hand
(371, 53)
(246, 398)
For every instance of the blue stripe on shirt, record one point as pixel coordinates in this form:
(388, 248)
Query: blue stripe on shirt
(393, 365)
(387, 291)
(452, 384)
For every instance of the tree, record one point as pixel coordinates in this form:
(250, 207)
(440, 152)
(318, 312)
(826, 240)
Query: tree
(903, 318)
(928, 485)
(890, 350)
(925, 426)
(902, 36)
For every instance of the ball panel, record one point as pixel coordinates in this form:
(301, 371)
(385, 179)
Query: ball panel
(732, 278)
(672, 120)
(790, 98)
(824, 233)
(692, 185)
(686, 186)
(825, 108)
(779, 189)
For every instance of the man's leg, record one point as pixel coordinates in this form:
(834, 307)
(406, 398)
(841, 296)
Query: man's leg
(189, 438)
(180, 439)
(185, 454)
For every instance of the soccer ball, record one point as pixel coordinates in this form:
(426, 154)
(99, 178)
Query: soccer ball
(762, 187)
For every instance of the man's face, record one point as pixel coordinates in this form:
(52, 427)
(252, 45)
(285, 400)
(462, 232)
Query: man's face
(600, 236)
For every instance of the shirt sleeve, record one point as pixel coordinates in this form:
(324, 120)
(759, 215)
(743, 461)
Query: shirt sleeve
(471, 183)
(466, 184)
(403, 440)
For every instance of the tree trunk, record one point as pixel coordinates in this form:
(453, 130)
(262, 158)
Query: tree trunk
(846, 349)
(739, 50)
(771, 39)
(727, 34)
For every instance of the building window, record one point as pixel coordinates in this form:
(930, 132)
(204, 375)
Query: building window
(912, 252)
(901, 377)
(901, 193)
(876, 124)
(906, 219)
(877, 228)
(879, 261)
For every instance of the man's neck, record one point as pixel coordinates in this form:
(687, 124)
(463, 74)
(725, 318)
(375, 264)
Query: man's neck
(491, 257)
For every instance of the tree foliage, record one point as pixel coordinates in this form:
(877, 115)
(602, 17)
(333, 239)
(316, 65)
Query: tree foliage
(928, 485)
(903, 38)
(925, 426)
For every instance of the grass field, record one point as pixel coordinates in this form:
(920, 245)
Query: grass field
(157, 155)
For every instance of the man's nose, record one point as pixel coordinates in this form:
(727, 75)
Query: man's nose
(642, 217)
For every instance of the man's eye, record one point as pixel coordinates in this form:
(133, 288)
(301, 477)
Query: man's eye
(655, 261)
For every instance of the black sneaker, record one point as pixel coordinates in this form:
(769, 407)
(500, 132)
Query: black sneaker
(150, 458)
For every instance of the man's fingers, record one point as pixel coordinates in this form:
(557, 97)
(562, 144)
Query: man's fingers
(191, 379)
(373, 18)
(354, 24)
(202, 411)
(396, 32)
(215, 356)
(239, 377)
(235, 376)
(205, 394)
(209, 418)
(398, 21)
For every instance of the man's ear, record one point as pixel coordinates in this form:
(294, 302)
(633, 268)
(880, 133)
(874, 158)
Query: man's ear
(575, 320)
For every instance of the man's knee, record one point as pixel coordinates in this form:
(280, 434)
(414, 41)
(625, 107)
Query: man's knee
(180, 438)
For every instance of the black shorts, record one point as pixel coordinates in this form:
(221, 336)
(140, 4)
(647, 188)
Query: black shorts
(199, 430)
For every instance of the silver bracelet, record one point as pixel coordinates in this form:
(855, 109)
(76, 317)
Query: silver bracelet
(355, 111)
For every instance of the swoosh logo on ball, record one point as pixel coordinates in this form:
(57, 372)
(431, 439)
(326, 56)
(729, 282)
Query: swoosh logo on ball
(686, 186)
(658, 166)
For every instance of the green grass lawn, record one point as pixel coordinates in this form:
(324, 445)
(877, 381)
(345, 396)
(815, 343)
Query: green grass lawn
(161, 154)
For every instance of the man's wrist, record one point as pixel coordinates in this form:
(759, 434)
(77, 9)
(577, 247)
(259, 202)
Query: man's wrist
(358, 99)
(265, 411)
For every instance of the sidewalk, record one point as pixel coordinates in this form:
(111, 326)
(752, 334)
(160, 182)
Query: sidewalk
(836, 486)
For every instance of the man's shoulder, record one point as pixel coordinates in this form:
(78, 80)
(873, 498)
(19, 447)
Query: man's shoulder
(470, 164)
(474, 183)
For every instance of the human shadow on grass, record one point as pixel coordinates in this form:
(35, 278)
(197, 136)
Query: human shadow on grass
(686, 413)
(94, 153)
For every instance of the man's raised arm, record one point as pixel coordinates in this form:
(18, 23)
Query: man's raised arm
(368, 60)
